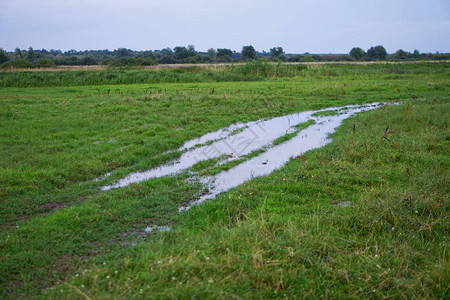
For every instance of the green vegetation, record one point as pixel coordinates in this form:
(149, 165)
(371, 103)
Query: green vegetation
(248, 53)
(285, 137)
(377, 52)
(304, 125)
(3, 56)
(325, 113)
(123, 57)
(20, 63)
(251, 71)
(357, 53)
(45, 63)
(365, 216)
(391, 241)
(290, 135)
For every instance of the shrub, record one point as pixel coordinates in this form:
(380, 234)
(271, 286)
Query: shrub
(357, 53)
(124, 62)
(20, 63)
(3, 56)
(145, 61)
(308, 58)
(377, 52)
(45, 63)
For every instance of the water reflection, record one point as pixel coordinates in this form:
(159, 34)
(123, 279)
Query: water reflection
(241, 139)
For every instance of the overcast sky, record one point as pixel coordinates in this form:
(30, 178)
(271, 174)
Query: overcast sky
(315, 26)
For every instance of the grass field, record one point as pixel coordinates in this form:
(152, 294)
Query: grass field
(363, 217)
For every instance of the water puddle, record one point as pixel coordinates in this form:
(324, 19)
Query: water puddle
(103, 177)
(152, 228)
(239, 140)
(345, 204)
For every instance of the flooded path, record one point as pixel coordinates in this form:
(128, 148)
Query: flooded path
(239, 140)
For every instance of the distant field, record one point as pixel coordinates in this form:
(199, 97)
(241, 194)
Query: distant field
(363, 217)
(220, 66)
(252, 71)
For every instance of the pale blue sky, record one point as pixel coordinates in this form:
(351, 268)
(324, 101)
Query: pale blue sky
(316, 26)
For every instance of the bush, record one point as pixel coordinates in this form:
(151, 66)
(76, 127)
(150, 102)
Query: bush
(308, 58)
(3, 56)
(21, 63)
(124, 62)
(357, 53)
(400, 54)
(145, 61)
(45, 63)
(377, 52)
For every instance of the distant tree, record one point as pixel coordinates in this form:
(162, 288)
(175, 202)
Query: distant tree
(168, 56)
(157, 55)
(377, 52)
(191, 50)
(211, 54)
(167, 52)
(357, 53)
(31, 56)
(3, 56)
(71, 52)
(224, 54)
(55, 52)
(181, 53)
(248, 53)
(123, 52)
(17, 53)
(400, 54)
(149, 54)
(276, 52)
(416, 54)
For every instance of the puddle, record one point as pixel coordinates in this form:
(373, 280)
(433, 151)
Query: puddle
(241, 139)
(224, 142)
(151, 228)
(103, 177)
(314, 136)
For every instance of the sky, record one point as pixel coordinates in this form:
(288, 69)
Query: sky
(299, 26)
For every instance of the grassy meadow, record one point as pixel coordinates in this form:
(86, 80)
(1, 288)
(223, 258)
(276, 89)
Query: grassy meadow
(364, 217)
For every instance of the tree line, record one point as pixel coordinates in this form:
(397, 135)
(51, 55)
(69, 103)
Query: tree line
(122, 57)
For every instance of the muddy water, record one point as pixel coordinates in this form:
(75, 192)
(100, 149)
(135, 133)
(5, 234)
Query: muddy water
(227, 141)
(275, 157)
(241, 139)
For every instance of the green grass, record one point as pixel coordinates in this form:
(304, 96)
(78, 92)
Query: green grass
(286, 235)
(325, 113)
(251, 71)
(285, 137)
(298, 127)
(281, 234)
(304, 125)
